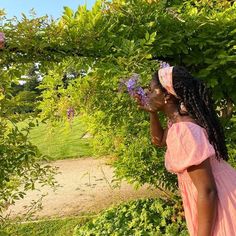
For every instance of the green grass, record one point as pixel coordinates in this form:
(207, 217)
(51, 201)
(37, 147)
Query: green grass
(60, 142)
(48, 227)
(63, 141)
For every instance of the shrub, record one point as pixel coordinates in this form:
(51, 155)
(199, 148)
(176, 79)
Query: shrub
(140, 217)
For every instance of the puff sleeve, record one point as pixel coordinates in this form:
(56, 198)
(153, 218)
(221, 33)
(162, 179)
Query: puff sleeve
(187, 145)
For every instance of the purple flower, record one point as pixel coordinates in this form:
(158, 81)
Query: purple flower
(2, 37)
(143, 95)
(70, 113)
(164, 64)
(2, 40)
(131, 84)
(133, 87)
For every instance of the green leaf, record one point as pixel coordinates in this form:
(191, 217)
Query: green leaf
(68, 12)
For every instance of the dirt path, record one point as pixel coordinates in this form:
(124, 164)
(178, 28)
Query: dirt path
(86, 186)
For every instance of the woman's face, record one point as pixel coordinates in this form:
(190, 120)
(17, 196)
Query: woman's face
(156, 96)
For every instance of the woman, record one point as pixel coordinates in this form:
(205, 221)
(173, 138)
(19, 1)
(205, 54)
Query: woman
(196, 150)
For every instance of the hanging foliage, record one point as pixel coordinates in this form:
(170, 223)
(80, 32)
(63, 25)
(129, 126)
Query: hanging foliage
(110, 42)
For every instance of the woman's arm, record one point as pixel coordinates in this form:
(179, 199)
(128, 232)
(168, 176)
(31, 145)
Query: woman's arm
(204, 182)
(158, 134)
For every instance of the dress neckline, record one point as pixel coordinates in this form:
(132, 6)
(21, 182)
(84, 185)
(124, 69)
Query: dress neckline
(185, 122)
(171, 124)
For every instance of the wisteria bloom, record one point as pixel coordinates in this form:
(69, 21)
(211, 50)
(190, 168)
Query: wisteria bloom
(133, 87)
(131, 84)
(2, 40)
(164, 64)
(70, 113)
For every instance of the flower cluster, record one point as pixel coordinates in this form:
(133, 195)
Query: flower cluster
(70, 113)
(164, 64)
(133, 88)
(2, 40)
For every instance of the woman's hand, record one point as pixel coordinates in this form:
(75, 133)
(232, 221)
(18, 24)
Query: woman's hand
(146, 107)
(158, 135)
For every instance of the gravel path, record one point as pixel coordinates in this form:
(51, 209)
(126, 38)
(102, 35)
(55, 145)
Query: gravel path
(86, 186)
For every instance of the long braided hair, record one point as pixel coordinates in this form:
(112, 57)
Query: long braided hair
(196, 99)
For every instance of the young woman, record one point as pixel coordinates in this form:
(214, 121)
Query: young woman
(196, 150)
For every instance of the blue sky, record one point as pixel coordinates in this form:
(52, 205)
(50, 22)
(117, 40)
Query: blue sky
(42, 7)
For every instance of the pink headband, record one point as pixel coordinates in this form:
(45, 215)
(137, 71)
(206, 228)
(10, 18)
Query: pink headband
(165, 77)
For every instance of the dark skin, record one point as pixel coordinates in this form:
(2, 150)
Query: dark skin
(1, 45)
(201, 174)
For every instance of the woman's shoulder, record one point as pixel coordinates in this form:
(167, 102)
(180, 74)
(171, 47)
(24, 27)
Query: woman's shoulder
(186, 130)
(184, 126)
(187, 145)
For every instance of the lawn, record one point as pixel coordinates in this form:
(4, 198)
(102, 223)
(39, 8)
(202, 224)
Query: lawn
(47, 227)
(63, 141)
(68, 140)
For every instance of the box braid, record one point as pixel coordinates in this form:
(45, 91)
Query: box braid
(195, 97)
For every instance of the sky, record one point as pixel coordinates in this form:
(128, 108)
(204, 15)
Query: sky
(52, 8)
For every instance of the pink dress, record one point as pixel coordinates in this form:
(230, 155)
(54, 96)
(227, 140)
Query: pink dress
(187, 145)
